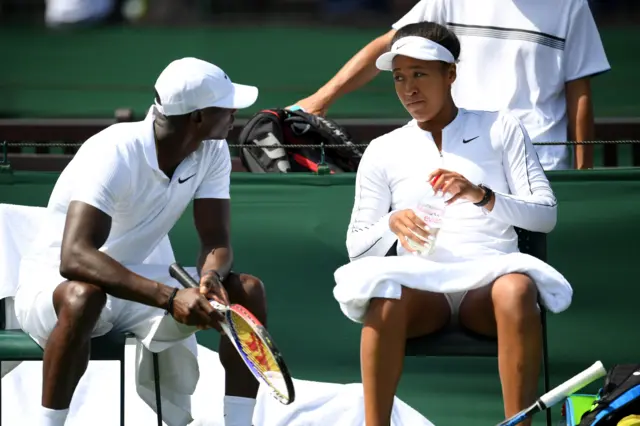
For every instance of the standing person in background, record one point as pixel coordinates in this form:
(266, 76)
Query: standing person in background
(534, 59)
(77, 12)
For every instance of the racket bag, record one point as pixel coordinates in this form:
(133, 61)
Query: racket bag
(269, 128)
(618, 398)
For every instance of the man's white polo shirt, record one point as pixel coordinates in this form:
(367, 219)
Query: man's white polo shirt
(517, 56)
(117, 172)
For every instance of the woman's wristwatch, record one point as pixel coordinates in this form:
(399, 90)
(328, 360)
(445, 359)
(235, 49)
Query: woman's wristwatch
(488, 193)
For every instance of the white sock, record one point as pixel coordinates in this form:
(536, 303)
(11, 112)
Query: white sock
(49, 417)
(238, 411)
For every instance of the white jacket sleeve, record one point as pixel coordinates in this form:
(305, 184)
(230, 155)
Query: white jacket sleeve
(369, 233)
(531, 205)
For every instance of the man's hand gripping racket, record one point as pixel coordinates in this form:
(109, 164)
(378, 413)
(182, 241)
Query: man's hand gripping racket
(559, 393)
(251, 340)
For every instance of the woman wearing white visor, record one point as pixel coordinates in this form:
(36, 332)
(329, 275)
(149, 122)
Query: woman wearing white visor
(487, 169)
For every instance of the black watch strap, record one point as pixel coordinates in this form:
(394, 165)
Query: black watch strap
(486, 198)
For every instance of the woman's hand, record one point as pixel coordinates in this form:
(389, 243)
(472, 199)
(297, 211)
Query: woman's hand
(406, 225)
(455, 184)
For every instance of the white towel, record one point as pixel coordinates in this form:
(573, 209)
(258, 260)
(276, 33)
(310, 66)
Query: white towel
(96, 400)
(18, 227)
(178, 366)
(383, 277)
(327, 404)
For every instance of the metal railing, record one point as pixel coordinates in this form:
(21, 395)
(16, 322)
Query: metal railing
(49, 144)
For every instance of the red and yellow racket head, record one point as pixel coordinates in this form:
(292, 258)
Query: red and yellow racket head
(260, 352)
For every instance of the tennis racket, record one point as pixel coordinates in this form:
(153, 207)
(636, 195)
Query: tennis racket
(251, 340)
(559, 393)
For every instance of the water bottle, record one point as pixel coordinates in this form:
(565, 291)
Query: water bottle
(430, 209)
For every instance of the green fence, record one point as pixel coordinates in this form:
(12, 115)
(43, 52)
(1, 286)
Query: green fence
(290, 231)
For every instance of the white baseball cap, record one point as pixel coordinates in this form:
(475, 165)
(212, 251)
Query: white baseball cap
(190, 84)
(417, 48)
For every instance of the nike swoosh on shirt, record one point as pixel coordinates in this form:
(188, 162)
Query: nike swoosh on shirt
(469, 140)
(184, 180)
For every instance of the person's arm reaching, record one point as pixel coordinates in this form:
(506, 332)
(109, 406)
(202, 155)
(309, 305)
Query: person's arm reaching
(584, 58)
(531, 204)
(369, 233)
(357, 72)
(361, 68)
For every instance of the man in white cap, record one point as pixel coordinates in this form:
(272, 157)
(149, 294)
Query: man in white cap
(111, 206)
(533, 58)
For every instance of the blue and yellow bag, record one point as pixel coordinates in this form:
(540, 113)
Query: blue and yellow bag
(618, 400)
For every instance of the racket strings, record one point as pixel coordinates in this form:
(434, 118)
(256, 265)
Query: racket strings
(259, 354)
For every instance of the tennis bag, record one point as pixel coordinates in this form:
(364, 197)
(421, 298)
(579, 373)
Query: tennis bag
(618, 399)
(265, 131)
(575, 406)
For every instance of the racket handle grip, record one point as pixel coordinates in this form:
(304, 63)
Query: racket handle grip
(178, 272)
(574, 384)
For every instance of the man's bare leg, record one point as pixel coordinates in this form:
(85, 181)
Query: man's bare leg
(241, 387)
(508, 309)
(66, 355)
(387, 325)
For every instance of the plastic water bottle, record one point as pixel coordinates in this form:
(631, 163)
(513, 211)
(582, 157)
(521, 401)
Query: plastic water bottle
(430, 209)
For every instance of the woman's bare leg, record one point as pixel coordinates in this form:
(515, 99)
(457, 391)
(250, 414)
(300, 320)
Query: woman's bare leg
(508, 309)
(387, 325)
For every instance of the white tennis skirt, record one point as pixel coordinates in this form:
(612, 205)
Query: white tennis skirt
(383, 277)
